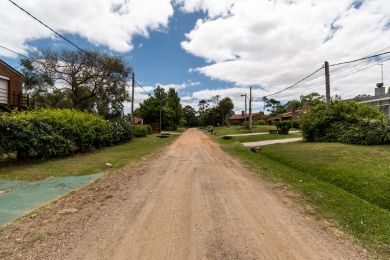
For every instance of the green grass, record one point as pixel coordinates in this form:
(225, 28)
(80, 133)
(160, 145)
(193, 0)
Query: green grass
(347, 184)
(221, 131)
(84, 164)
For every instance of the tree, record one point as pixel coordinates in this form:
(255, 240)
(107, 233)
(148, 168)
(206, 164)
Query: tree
(202, 106)
(85, 81)
(225, 108)
(292, 104)
(189, 115)
(170, 106)
(313, 98)
(274, 106)
(172, 110)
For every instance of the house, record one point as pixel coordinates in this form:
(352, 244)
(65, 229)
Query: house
(381, 100)
(240, 118)
(294, 114)
(138, 120)
(11, 91)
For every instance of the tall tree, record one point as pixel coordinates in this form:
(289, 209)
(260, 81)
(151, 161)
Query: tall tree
(173, 110)
(202, 106)
(189, 115)
(94, 82)
(170, 106)
(225, 108)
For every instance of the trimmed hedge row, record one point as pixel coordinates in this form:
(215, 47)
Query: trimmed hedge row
(142, 130)
(50, 133)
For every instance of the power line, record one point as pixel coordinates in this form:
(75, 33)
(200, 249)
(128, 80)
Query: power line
(15, 52)
(298, 82)
(146, 92)
(48, 27)
(361, 59)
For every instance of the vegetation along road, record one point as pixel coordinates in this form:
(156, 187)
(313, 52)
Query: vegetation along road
(190, 201)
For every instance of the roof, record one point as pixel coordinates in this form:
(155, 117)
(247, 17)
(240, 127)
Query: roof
(372, 98)
(10, 67)
(137, 119)
(241, 116)
(290, 113)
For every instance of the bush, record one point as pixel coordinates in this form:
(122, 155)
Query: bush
(284, 127)
(50, 133)
(346, 122)
(261, 122)
(296, 124)
(142, 130)
(236, 123)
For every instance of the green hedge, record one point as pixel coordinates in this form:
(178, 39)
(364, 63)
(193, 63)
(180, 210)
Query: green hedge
(142, 130)
(50, 133)
(284, 127)
(346, 122)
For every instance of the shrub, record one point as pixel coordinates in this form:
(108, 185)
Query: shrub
(283, 127)
(346, 122)
(50, 133)
(121, 130)
(260, 122)
(142, 130)
(296, 124)
(236, 123)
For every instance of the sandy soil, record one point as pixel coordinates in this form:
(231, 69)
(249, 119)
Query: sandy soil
(191, 201)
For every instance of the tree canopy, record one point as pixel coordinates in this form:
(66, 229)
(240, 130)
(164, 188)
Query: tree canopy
(168, 102)
(93, 82)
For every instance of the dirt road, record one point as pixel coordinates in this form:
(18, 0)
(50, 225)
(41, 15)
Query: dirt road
(191, 202)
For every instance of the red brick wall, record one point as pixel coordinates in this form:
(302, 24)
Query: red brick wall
(15, 83)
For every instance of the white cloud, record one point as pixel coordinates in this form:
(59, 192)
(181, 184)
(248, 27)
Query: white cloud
(275, 43)
(111, 23)
(232, 92)
(212, 7)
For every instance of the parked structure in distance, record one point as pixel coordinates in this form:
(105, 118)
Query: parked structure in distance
(294, 114)
(241, 118)
(380, 100)
(11, 91)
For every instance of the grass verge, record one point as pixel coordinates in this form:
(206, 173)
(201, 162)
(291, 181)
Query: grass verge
(84, 164)
(349, 185)
(221, 131)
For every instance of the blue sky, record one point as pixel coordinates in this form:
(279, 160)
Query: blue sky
(157, 59)
(214, 47)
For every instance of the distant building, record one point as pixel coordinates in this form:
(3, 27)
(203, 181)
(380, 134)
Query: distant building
(381, 99)
(11, 91)
(138, 120)
(294, 114)
(240, 118)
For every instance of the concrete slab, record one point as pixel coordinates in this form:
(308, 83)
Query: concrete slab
(270, 142)
(171, 133)
(254, 134)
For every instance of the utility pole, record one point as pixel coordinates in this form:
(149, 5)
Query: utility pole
(160, 110)
(327, 82)
(250, 108)
(132, 96)
(245, 106)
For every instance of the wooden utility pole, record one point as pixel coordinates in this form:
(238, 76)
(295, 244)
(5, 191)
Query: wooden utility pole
(250, 107)
(160, 110)
(245, 111)
(132, 96)
(327, 83)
